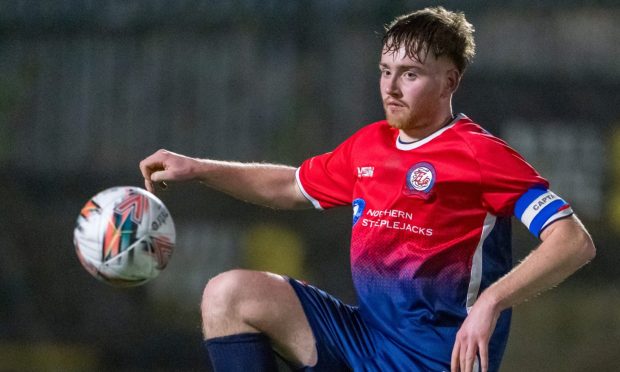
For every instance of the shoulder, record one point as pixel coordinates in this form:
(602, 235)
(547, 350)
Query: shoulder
(373, 133)
(378, 128)
(480, 141)
(495, 158)
(473, 132)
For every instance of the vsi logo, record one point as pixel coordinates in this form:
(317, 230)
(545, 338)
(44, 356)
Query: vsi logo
(421, 177)
(358, 208)
(365, 172)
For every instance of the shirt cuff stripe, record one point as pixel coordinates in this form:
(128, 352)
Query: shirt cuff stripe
(314, 202)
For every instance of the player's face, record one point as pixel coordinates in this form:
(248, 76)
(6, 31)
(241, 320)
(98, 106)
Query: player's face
(416, 94)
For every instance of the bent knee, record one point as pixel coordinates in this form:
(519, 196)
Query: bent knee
(223, 290)
(231, 288)
(221, 303)
(242, 293)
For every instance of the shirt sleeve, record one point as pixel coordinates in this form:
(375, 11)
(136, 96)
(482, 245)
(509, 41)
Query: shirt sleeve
(504, 174)
(511, 186)
(327, 180)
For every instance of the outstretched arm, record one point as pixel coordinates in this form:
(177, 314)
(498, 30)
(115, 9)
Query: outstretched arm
(565, 247)
(264, 184)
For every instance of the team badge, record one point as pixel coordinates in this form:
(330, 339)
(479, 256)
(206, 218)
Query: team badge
(421, 178)
(358, 208)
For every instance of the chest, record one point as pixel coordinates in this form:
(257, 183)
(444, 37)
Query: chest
(433, 177)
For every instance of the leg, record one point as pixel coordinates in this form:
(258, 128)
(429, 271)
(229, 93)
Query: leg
(241, 301)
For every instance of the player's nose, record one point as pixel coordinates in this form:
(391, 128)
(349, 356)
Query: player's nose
(390, 86)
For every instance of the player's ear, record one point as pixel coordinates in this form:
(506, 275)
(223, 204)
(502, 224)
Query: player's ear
(452, 80)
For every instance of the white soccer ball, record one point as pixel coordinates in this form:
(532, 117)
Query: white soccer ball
(124, 236)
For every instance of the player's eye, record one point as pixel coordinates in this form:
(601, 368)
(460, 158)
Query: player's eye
(385, 72)
(410, 75)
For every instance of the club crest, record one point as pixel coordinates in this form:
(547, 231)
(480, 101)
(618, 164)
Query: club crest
(421, 177)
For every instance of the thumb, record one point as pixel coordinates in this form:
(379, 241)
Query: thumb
(160, 176)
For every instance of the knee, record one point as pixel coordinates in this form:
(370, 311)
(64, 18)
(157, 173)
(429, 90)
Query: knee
(233, 301)
(222, 293)
(243, 294)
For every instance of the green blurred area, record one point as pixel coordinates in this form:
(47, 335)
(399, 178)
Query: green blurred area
(48, 357)
(575, 327)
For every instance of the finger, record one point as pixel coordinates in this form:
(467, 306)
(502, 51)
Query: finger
(483, 351)
(454, 362)
(146, 173)
(463, 357)
(148, 185)
(470, 357)
(160, 176)
(147, 165)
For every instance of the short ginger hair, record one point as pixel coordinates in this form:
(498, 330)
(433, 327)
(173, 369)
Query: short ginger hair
(435, 29)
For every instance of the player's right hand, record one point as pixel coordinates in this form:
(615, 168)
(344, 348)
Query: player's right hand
(472, 339)
(166, 166)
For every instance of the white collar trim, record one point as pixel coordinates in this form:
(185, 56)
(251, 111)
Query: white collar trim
(414, 145)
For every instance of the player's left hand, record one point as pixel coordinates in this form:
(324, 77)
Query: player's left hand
(473, 337)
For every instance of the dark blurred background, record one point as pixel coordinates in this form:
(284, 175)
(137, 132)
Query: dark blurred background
(89, 88)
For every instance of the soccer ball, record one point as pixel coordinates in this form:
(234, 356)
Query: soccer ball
(124, 236)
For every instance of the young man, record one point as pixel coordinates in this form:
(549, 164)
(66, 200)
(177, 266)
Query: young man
(432, 196)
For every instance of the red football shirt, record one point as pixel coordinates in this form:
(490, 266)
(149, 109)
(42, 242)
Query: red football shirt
(431, 221)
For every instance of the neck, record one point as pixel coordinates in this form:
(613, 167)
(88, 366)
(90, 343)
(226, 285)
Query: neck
(416, 134)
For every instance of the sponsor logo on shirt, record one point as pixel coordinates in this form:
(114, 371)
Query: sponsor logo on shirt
(365, 171)
(358, 209)
(394, 219)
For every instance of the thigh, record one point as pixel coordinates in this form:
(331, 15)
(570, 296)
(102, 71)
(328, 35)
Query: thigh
(268, 304)
(343, 340)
